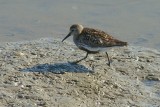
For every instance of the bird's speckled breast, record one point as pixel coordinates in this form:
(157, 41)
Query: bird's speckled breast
(83, 46)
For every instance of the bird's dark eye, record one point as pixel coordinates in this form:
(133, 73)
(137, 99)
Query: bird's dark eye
(72, 30)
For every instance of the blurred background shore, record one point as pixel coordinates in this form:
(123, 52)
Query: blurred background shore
(134, 21)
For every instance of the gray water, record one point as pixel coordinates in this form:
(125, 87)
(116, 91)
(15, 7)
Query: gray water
(135, 21)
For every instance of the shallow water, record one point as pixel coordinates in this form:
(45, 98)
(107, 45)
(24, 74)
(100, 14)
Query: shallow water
(134, 21)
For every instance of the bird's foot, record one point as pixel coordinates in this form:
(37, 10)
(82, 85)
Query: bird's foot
(109, 64)
(73, 62)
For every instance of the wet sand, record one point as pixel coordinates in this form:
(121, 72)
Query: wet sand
(37, 73)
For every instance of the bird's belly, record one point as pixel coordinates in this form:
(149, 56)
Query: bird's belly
(92, 49)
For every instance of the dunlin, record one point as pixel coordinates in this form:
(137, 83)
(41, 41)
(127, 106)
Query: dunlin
(92, 40)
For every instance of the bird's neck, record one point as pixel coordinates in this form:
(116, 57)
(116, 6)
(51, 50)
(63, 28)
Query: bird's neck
(75, 38)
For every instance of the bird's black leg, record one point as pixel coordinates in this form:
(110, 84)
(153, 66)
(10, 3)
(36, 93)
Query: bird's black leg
(108, 59)
(81, 59)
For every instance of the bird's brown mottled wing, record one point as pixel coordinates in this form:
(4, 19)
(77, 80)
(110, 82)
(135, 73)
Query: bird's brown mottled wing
(97, 38)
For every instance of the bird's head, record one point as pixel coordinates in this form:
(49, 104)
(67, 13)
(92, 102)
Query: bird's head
(75, 30)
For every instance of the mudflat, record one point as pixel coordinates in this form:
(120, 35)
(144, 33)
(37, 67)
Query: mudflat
(38, 73)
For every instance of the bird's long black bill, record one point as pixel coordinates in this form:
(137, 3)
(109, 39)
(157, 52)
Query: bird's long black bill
(67, 36)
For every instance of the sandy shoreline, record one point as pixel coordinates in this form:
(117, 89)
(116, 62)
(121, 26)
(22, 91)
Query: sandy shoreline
(37, 73)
